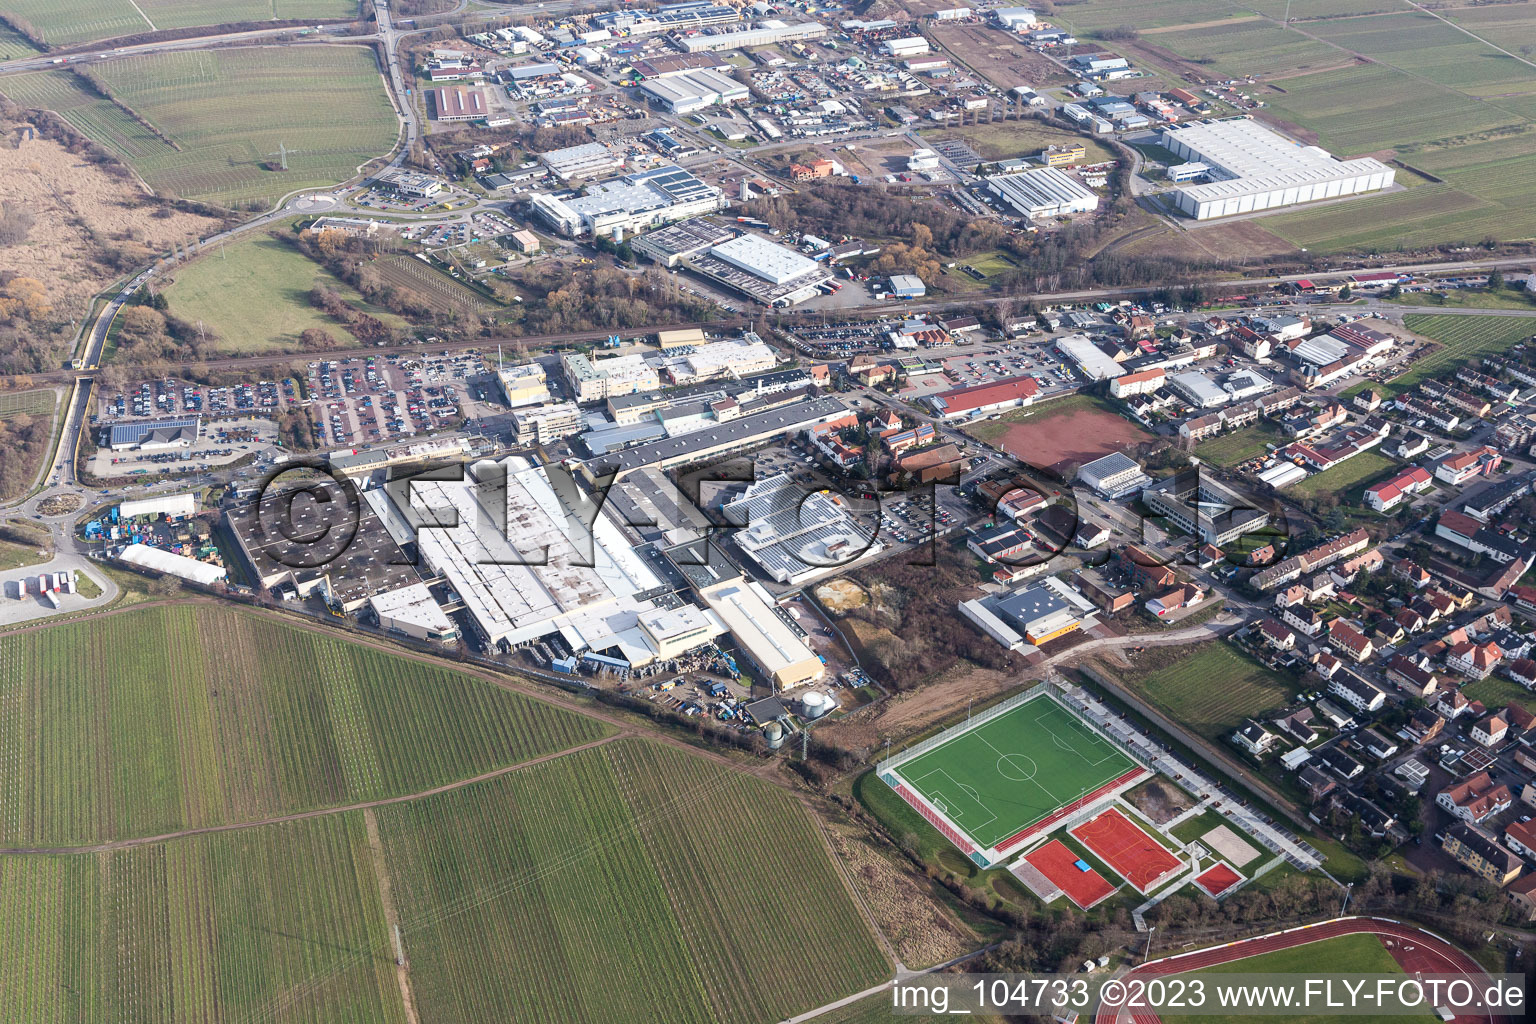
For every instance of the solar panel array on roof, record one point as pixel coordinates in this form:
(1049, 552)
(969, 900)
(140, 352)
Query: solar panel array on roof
(791, 533)
(135, 433)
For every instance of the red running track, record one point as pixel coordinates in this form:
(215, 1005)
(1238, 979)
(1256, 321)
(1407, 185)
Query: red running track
(1429, 954)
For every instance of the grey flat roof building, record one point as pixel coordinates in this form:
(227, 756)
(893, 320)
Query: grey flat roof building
(729, 436)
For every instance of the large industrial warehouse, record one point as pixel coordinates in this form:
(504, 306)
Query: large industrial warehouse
(519, 571)
(1043, 192)
(631, 203)
(694, 90)
(1255, 168)
(761, 270)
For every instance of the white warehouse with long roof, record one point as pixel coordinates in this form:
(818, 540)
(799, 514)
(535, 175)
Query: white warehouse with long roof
(1043, 192)
(1255, 169)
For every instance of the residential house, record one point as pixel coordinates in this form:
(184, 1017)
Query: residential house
(1474, 799)
(1317, 784)
(1491, 731)
(1413, 676)
(1349, 642)
(1186, 595)
(1522, 893)
(1476, 850)
(1423, 727)
(1520, 836)
(1303, 619)
(1340, 763)
(1278, 636)
(1254, 738)
(1357, 693)
(1375, 744)
(1299, 725)
(1474, 659)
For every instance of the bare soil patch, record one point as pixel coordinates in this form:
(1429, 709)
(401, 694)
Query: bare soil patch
(1239, 241)
(1160, 800)
(840, 594)
(88, 222)
(913, 711)
(60, 504)
(1079, 436)
(998, 58)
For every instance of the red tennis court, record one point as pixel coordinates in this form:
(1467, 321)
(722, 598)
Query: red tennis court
(1120, 843)
(1217, 879)
(1059, 865)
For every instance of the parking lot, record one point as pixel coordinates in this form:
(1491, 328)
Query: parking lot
(220, 441)
(370, 399)
(168, 397)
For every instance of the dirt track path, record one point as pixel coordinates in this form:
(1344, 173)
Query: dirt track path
(319, 812)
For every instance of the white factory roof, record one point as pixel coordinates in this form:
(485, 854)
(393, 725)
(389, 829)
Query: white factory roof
(771, 262)
(413, 604)
(176, 565)
(1044, 188)
(721, 355)
(617, 369)
(748, 614)
(173, 504)
(1320, 351)
(1199, 387)
(1282, 475)
(704, 84)
(486, 560)
(1254, 159)
(1089, 357)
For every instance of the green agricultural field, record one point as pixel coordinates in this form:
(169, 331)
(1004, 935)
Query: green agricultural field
(150, 721)
(38, 402)
(1471, 298)
(61, 24)
(1097, 15)
(1255, 46)
(14, 45)
(1340, 478)
(1425, 46)
(91, 115)
(1011, 139)
(1346, 954)
(635, 882)
(1306, 9)
(254, 295)
(226, 111)
(1498, 692)
(1213, 689)
(1240, 445)
(278, 923)
(1461, 337)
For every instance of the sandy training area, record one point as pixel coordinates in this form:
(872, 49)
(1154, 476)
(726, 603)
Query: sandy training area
(1082, 435)
(1226, 842)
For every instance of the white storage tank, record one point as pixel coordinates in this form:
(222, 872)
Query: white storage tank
(773, 732)
(815, 704)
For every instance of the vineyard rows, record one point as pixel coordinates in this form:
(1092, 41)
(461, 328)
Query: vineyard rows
(163, 719)
(629, 883)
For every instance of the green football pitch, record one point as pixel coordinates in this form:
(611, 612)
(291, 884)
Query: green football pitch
(1014, 770)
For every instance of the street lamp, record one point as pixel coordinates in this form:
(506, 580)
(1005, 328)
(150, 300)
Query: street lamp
(1147, 954)
(1348, 888)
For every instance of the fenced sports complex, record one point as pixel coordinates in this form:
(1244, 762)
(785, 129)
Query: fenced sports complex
(1217, 879)
(1013, 772)
(1128, 850)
